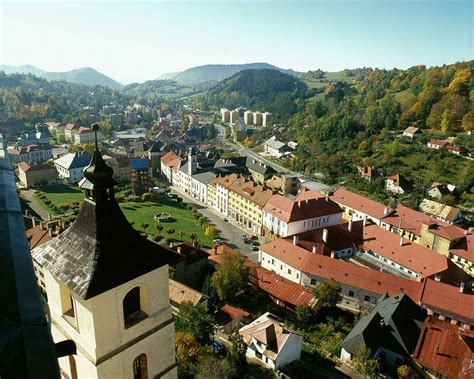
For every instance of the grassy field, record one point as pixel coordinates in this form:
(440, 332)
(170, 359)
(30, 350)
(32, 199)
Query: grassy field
(137, 212)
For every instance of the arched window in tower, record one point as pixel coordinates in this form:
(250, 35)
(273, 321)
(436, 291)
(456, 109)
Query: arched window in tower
(134, 306)
(140, 368)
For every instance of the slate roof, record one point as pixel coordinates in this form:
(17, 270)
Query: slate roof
(100, 251)
(259, 166)
(73, 160)
(395, 324)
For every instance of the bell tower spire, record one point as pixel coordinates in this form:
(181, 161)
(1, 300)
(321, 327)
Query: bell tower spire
(98, 181)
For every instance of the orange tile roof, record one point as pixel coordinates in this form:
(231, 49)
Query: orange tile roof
(344, 272)
(306, 194)
(171, 160)
(464, 248)
(36, 236)
(443, 348)
(233, 312)
(448, 299)
(438, 142)
(410, 219)
(410, 255)
(224, 181)
(251, 191)
(369, 207)
(281, 288)
(25, 167)
(289, 210)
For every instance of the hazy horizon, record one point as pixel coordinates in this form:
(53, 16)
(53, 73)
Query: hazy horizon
(134, 42)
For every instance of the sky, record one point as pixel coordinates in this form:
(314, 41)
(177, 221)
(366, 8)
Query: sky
(134, 41)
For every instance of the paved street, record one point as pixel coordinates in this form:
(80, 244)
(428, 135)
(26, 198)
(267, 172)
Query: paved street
(231, 234)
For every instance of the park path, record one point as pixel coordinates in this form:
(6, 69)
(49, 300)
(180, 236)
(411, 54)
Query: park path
(29, 199)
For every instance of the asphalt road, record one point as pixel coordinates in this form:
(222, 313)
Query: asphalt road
(231, 234)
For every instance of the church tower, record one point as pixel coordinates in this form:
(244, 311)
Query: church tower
(107, 289)
(192, 161)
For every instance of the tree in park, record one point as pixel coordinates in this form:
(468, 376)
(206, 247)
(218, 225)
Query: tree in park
(170, 231)
(193, 236)
(195, 320)
(365, 363)
(180, 234)
(188, 351)
(159, 227)
(230, 278)
(211, 231)
(329, 292)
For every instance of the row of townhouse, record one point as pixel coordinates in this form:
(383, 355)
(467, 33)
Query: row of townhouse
(31, 154)
(450, 240)
(80, 134)
(362, 286)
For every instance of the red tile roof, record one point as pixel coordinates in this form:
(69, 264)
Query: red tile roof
(25, 167)
(449, 232)
(306, 194)
(171, 160)
(84, 130)
(410, 219)
(438, 142)
(410, 255)
(464, 248)
(70, 126)
(431, 293)
(444, 349)
(289, 210)
(352, 200)
(442, 297)
(280, 288)
(344, 272)
(233, 312)
(338, 238)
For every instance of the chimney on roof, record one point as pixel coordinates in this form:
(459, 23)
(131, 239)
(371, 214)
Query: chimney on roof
(325, 235)
(299, 204)
(365, 220)
(465, 232)
(50, 232)
(295, 240)
(438, 278)
(401, 241)
(33, 221)
(314, 249)
(349, 228)
(333, 254)
(327, 196)
(462, 287)
(385, 211)
(178, 250)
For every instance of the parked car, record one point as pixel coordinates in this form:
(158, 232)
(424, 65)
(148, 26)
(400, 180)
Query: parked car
(254, 248)
(245, 239)
(217, 347)
(217, 241)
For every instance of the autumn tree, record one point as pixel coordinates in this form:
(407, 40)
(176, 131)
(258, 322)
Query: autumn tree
(230, 278)
(188, 351)
(328, 292)
(196, 320)
(211, 231)
(365, 363)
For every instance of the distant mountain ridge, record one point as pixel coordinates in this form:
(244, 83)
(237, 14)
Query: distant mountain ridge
(83, 75)
(218, 72)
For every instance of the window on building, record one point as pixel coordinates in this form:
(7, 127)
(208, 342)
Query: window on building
(140, 367)
(351, 293)
(67, 305)
(366, 298)
(314, 282)
(133, 307)
(289, 271)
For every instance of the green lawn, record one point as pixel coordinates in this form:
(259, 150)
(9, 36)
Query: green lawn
(137, 212)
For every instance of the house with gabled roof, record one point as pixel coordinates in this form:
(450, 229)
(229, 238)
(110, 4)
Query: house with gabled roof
(283, 216)
(412, 132)
(390, 331)
(397, 184)
(439, 211)
(270, 341)
(71, 166)
(443, 351)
